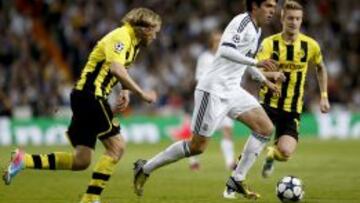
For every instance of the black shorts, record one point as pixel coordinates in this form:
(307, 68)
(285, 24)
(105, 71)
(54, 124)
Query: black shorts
(286, 123)
(92, 119)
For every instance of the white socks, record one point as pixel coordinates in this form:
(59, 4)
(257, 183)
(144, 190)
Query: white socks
(253, 147)
(227, 148)
(174, 152)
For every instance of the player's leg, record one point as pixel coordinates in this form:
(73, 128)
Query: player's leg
(173, 153)
(104, 168)
(226, 144)
(78, 160)
(251, 114)
(21, 160)
(184, 133)
(281, 151)
(261, 126)
(285, 143)
(208, 113)
(107, 130)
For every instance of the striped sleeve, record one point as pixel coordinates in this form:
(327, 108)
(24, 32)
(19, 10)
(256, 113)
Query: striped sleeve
(234, 33)
(116, 48)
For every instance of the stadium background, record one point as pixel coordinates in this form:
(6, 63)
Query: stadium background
(45, 43)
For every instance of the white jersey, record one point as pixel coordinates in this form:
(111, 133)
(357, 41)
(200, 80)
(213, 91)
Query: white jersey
(203, 64)
(237, 48)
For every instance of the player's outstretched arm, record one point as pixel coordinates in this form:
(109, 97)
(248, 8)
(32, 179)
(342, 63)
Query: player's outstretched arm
(121, 73)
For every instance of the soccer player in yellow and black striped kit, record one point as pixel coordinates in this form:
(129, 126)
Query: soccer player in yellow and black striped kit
(294, 51)
(92, 116)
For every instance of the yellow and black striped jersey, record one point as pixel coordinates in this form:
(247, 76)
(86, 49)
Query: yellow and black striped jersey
(120, 45)
(293, 62)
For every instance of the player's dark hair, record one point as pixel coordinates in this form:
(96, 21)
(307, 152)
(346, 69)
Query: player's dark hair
(248, 4)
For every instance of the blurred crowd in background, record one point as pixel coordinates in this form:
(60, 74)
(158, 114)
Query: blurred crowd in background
(45, 44)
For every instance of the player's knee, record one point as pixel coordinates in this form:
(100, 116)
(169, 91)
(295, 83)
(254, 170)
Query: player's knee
(285, 152)
(82, 158)
(197, 146)
(266, 129)
(81, 163)
(269, 129)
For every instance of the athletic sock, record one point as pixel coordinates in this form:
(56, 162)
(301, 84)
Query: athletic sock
(253, 147)
(173, 153)
(103, 170)
(52, 161)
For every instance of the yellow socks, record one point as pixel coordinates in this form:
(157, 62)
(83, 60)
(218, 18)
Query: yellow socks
(53, 161)
(274, 153)
(101, 175)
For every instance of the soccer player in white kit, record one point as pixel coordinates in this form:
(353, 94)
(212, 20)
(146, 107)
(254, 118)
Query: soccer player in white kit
(204, 62)
(218, 94)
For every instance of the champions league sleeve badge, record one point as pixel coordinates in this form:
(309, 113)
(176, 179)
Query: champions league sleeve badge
(119, 47)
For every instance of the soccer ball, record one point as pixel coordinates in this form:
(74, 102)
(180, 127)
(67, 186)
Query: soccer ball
(290, 189)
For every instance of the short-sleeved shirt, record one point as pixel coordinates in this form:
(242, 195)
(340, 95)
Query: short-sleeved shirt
(121, 46)
(293, 59)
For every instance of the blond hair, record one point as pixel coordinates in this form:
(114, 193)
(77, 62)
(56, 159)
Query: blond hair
(291, 5)
(142, 17)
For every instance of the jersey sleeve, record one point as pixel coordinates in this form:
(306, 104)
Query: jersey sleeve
(235, 35)
(116, 48)
(317, 56)
(264, 50)
(235, 40)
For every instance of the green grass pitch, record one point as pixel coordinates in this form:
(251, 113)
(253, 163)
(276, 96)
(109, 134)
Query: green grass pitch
(330, 171)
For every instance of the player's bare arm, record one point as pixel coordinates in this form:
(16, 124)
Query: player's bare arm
(121, 73)
(272, 86)
(321, 73)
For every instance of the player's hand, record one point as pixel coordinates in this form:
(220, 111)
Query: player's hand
(276, 76)
(268, 64)
(273, 87)
(324, 105)
(149, 96)
(122, 101)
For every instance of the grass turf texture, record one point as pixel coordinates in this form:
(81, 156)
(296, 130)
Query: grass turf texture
(330, 171)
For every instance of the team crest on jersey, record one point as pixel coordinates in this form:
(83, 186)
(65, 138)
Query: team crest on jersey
(236, 38)
(119, 47)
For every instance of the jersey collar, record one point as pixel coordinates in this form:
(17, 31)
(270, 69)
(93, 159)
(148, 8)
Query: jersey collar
(288, 43)
(256, 27)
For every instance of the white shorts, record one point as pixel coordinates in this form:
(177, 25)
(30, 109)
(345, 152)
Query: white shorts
(210, 110)
(226, 122)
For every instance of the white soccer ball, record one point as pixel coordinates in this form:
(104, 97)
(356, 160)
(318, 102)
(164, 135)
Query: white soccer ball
(290, 189)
